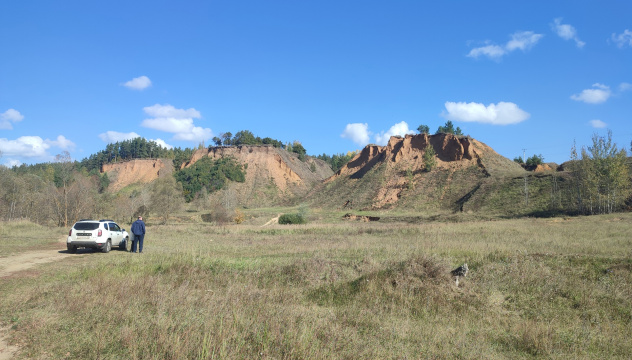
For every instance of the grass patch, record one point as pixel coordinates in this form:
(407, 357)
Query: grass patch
(552, 288)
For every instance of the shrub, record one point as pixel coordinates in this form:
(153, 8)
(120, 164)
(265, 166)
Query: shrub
(292, 219)
(239, 217)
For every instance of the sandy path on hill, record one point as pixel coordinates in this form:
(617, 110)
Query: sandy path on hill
(12, 265)
(272, 221)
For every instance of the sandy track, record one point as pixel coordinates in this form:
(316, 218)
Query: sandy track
(11, 265)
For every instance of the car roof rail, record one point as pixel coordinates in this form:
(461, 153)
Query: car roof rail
(103, 220)
(86, 220)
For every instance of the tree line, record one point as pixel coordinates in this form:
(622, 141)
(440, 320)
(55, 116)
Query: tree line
(447, 128)
(601, 181)
(137, 148)
(246, 137)
(62, 192)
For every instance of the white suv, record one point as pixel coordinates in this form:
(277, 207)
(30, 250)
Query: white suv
(99, 235)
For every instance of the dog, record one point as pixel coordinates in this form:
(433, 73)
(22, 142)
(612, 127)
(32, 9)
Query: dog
(458, 272)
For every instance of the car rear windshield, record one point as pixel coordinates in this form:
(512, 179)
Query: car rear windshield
(86, 226)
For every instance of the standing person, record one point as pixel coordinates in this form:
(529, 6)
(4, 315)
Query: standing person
(138, 229)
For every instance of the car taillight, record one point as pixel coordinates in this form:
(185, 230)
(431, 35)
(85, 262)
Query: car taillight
(70, 232)
(100, 232)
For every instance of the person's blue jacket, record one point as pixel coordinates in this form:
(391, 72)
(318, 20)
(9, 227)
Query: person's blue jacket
(138, 227)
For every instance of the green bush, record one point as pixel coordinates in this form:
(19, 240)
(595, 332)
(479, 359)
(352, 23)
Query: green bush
(292, 219)
(210, 174)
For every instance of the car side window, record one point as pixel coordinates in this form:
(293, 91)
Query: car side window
(105, 225)
(114, 227)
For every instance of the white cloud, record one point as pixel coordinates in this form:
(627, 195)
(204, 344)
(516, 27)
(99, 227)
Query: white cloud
(176, 121)
(599, 94)
(33, 146)
(24, 146)
(523, 40)
(139, 83)
(171, 125)
(625, 86)
(399, 129)
(112, 137)
(357, 132)
(597, 124)
(9, 116)
(166, 111)
(12, 162)
(61, 143)
(503, 113)
(624, 39)
(566, 32)
(491, 51)
(195, 134)
(162, 143)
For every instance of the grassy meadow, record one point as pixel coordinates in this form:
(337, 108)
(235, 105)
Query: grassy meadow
(537, 288)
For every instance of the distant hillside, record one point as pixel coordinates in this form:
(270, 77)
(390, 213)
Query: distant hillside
(273, 175)
(143, 171)
(468, 176)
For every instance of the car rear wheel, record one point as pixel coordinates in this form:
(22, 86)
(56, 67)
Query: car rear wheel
(107, 247)
(71, 248)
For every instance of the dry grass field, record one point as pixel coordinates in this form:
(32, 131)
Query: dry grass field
(537, 288)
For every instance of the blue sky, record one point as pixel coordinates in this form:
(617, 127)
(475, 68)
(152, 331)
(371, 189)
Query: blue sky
(335, 75)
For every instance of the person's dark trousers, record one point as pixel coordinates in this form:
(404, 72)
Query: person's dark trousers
(140, 242)
(138, 239)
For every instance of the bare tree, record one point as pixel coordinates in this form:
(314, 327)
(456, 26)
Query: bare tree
(166, 197)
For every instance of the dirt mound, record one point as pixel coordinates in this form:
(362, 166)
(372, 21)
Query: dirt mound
(450, 150)
(142, 171)
(273, 175)
(542, 168)
(420, 277)
(396, 174)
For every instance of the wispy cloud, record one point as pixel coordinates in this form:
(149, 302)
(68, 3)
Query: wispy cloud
(624, 39)
(399, 129)
(597, 95)
(33, 146)
(111, 137)
(8, 117)
(162, 143)
(503, 113)
(176, 121)
(357, 132)
(566, 32)
(625, 87)
(139, 83)
(491, 51)
(61, 142)
(597, 124)
(521, 40)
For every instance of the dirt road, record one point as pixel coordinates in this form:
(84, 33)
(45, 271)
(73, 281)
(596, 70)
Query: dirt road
(12, 266)
(24, 261)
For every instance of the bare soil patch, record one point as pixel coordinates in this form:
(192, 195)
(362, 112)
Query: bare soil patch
(21, 265)
(13, 264)
(6, 351)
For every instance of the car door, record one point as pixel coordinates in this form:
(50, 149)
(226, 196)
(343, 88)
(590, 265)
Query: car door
(116, 233)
